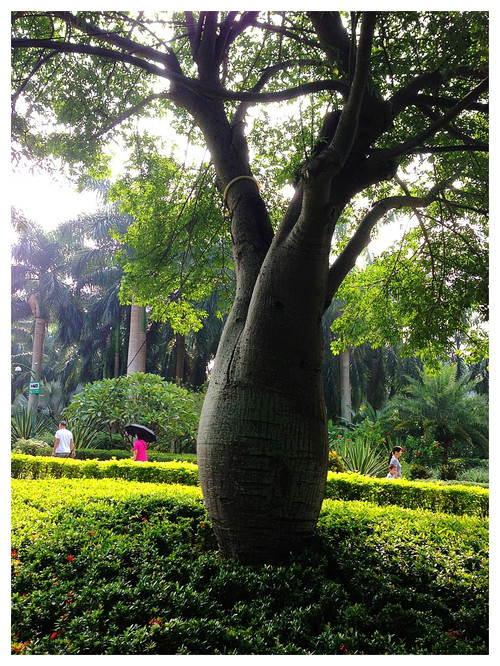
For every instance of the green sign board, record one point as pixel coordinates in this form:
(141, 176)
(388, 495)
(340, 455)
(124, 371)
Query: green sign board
(34, 387)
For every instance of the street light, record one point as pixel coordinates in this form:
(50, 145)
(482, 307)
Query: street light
(34, 390)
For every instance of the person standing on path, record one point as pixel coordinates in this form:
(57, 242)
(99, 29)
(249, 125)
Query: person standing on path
(64, 446)
(394, 457)
(140, 450)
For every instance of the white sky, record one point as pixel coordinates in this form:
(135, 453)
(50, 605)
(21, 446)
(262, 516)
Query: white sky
(48, 202)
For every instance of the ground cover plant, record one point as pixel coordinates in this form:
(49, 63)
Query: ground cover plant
(120, 567)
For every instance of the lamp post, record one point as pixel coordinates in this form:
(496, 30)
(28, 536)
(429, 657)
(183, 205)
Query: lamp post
(34, 390)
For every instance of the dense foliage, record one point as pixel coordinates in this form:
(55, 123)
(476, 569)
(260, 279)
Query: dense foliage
(427, 89)
(115, 567)
(112, 404)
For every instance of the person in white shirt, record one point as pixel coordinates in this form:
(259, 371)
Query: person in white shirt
(64, 446)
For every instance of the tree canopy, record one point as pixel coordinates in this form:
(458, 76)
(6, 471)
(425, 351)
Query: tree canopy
(363, 114)
(82, 80)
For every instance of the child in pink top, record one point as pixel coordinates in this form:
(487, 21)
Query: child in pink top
(140, 446)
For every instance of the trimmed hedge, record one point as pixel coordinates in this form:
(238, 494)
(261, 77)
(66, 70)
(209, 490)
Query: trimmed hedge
(32, 467)
(121, 454)
(114, 567)
(34, 447)
(453, 499)
(456, 499)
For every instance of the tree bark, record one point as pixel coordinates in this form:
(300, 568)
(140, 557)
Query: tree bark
(136, 361)
(38, 343)
(345, 385)
(180, 353)
(263, 421)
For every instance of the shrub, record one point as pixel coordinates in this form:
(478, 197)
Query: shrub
(335, 462)
(456, 499)
(418, 472)
(359, 455)
(113, 567)
(32, 447)
(30, 467)
(111, 404)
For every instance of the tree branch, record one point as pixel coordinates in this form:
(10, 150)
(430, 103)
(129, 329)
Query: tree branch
(416, 141)
(361, 237)
(331, 160)
(206, 90)
(131, 111)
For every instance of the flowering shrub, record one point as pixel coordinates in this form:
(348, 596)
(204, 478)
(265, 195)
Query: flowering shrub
(116, 567)
(424, 451)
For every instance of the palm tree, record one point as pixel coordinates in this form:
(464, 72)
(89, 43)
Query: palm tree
(40, 287)
(97, 274)
(444, 407)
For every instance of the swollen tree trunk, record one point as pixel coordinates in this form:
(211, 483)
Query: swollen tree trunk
(345, 385)
(136, 361)
(262, 441)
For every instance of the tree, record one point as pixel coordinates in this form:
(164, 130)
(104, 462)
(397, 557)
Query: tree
(39, 285)
(394, 116)
(444, 408)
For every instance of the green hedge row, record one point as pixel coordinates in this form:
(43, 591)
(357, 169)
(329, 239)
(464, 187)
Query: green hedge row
(454, 499)
(37, 448)
(114, 567)
(40, 467)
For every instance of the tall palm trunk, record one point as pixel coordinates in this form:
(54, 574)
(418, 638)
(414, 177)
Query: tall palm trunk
(116, 369)
(180, 356)
(136, 361)
(38, 343)
(345, 385)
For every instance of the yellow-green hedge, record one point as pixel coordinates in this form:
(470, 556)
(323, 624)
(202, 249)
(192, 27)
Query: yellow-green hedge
(40, 467)
(455, 499)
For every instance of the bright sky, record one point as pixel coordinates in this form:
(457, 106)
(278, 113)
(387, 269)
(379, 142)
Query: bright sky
(48, 202)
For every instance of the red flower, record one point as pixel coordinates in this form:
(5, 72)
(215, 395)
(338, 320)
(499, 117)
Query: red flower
(70, 558)
(144, 520)
(13, 553)
(157, 621)
(54, 635)
(436, 445)
(343, 648)
(92, 532)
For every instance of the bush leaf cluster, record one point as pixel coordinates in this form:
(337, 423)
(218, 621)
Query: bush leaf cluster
(119, 567)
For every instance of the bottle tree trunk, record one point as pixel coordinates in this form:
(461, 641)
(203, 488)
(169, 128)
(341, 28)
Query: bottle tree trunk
(136, 361)
(262, 442)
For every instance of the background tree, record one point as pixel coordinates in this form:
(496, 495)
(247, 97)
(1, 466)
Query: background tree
(39, 285)
(444, 408)
(399, 94)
